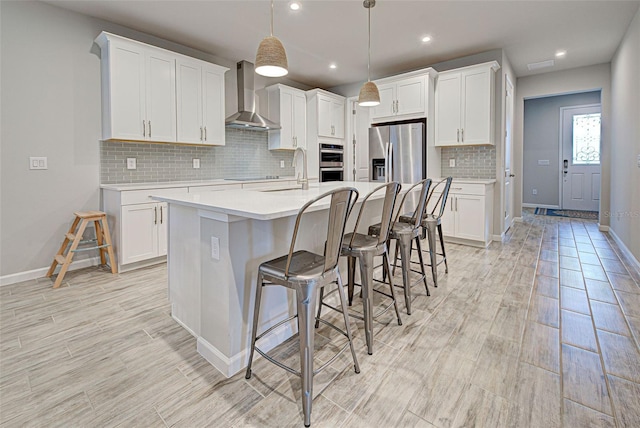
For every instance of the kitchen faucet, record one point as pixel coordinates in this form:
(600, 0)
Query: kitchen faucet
(305, 179)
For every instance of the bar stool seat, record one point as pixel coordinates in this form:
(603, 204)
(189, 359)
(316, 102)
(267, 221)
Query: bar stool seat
(306, 273)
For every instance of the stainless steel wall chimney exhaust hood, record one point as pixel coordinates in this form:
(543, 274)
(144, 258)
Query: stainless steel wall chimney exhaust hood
(247, 118)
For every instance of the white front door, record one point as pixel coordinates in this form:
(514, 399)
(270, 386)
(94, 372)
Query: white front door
(508, 155)
(580, 161)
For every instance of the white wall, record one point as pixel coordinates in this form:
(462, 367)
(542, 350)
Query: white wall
(592, 78)
(625, 139)
(51, 106)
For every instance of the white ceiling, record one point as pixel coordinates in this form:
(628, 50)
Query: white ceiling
(325, 31)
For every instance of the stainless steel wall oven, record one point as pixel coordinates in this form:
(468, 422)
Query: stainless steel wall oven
(331, 162)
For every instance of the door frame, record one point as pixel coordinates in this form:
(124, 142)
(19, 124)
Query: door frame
(561, 147)
(510, 132)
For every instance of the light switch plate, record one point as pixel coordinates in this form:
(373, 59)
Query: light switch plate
(131, 163)
(215, 248)
(196, 163)
(638, 161)
(38, 163)
(452, 163)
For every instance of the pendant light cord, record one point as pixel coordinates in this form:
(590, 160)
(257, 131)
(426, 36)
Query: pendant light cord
(369, 48)
(271, 18)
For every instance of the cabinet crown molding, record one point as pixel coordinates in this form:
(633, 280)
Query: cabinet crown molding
(430, 72)
(490, 64)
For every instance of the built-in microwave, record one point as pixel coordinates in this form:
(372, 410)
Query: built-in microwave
(331, 162)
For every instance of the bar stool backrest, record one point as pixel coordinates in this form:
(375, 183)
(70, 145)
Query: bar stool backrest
(419, 211)
(391, 192)
(342, 201)
(442, 199)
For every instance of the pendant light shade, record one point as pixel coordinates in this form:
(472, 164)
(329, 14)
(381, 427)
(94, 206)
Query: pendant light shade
(271, 58)
(369, 94)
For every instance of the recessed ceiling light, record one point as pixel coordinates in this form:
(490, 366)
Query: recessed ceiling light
(333, 66)
(561, 54)
(426, 39)
(294, 5)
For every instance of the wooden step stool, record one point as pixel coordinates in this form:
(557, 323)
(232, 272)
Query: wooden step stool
(102, 241)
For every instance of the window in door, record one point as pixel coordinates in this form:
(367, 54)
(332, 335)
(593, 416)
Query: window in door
(586, 139)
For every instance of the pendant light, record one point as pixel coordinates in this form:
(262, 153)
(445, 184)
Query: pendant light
(369, 95)
(271, 59)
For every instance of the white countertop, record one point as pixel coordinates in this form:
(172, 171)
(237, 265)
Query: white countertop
(472, 180)
(266, 205)
(173, 184)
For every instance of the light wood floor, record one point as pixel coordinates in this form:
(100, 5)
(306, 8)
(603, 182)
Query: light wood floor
(541, 330)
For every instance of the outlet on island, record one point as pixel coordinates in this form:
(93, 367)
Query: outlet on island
(534, 191)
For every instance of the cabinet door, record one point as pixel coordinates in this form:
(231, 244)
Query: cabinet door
(470, 217)
(286, 120)
(161, 97)
(337, 109)
(476, 112)
(189, 102)
(300, 119)
(325, 127)
(386, 108)
(163, 228)
(448, 217)
(448, 109)
(213, 107)
(139, 232)
(127, 86)
(410, 96)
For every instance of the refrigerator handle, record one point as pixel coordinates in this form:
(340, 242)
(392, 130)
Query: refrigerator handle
(389, 164)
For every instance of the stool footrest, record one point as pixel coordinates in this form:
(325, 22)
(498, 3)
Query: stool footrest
(60, 259)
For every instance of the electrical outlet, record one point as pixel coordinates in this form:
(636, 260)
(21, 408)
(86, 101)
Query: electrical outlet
(131, 163)
(534, 191)
(281, 164)
(215, 248)
(38, 163)
(196, 163)
(638, 161)
(452, 163)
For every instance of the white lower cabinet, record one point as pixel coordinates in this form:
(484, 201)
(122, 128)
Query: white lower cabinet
(468, 213)
(144, 232)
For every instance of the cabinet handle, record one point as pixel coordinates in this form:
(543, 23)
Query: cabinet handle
(453, 201)
(205, 133)
(155, 215)
(144, 128)
(160, 214)
(458, 137)
(462, 135)
(397, 106)
(149, 129)
(201, 133)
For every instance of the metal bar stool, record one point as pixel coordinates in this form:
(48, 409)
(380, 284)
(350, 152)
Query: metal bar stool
(405, 234)
(432, 223)
(365, 248)
(305, 273)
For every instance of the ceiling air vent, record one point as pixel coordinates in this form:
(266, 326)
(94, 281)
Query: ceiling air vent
(541, 64)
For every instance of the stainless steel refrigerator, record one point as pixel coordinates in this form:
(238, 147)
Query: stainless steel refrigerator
(397, 152)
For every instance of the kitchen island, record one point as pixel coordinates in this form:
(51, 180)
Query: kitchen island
(217, 240)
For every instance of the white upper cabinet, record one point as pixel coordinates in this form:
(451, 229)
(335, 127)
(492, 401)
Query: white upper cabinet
(288, 107)
(142, 94)
(326, 113)
(465, 105)
(403, 97)
(200, 102)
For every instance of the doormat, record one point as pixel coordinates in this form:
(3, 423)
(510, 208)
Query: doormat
(586, 215)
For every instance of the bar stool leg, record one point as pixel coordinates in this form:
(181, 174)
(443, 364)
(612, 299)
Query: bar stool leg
(405, 254)
(345, 314)
(387, 268)
(254, 330)
(351, 273)
(366, 276)
(307, 300)
(444, 254)
(319, 307)
(431, 234)
(424, 274)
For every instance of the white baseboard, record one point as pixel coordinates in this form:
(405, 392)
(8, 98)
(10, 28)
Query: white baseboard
(603, 228)
(553, 207)
(40, 273)
(517, 219)
(624, 249)
(229, 366)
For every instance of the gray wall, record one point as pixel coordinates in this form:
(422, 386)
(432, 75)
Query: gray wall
(50, 94)
(583, 79)
(542, 142)
(625, 140)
